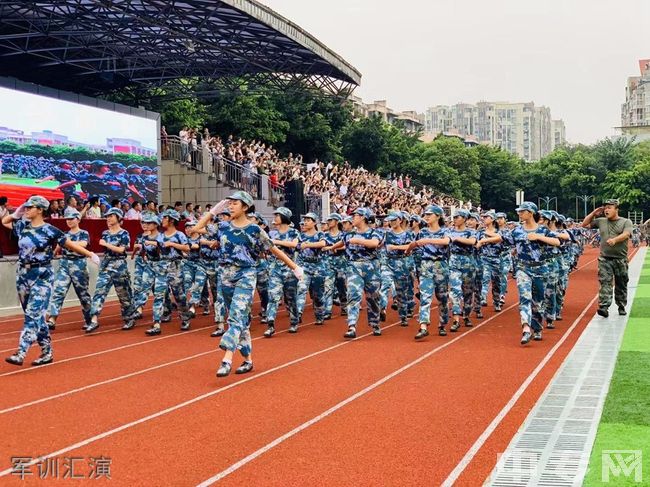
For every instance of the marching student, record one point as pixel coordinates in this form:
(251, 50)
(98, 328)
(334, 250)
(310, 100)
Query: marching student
(506, 256)
(433, 242)
(242, 242)
(36, 241)
(529, 238)
(490, 249)
(552, 256)
(171, 244)
(396, 242)
(150, 256)
(461, 269)
(477, 279)
(361, 247)
(72, 270)
(113, 271)
(336, 267)
(282, 281)
(310, 244)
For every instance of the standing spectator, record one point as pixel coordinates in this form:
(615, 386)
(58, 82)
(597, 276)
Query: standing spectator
(164, 142)
(612, 263)
(3, 207)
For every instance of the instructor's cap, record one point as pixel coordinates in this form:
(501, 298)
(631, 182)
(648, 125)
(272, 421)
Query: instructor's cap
(612, 201)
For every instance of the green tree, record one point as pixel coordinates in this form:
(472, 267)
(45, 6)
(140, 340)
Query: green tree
(501, 177)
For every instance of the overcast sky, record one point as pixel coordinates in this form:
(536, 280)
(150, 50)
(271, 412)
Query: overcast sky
(573, 56)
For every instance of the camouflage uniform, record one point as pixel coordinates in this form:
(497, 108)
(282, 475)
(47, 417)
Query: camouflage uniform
(461, 272)
(263, 284)
(282, 281)
(314, 279)
(113, 271)
(210, 259)
(397, 271)
(335, 265)
(491, 270)
(363, 275)
(531, 274)
(194, 273)
(240, 250)
(434, 277)
(33, 281)
(73, 269)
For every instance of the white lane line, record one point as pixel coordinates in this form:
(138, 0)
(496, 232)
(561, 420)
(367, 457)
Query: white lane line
(471, 453)
(189, 402)
(236, 466)
(121, 377)
(101, 352)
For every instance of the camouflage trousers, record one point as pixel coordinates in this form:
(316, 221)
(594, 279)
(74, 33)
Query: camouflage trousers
(166, 276)
(113, 273)
(461, 283)
(194, 279)
(530, 285)
(398, 274)
(434, 279)
(75, 272)
(612, 273)
(237, 285)
(363, 276)
(313, 281)
(552, 289)
(415, 264)
(34, 287)
(563, 281)
(506, 265)
(335, 282)
(211, 286)
(282, 282)
(263, 285)
(491, 273)
(477, 283)
(138, 271)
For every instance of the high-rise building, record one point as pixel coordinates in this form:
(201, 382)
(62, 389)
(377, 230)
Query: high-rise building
(520, 128)
(410, 120)
(559, 133)
(635, 112)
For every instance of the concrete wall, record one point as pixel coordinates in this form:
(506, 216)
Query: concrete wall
(179, 183)
(9, 304)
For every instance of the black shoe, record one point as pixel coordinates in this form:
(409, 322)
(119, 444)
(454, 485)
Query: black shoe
(91, 327)
(328, 316)
(441, 331)
(417, 296)
(300, 318)
(336, 302)
(137, 315)
(483, 304)
(319, 322)
(128, 325)
(376, 331)
(293, 328)
(537, 336)
(525, 338)
(51, 325)
(550, 325)
(270, 331)
(192, 312)
(166, 318)
(244, 368)
(621, 311)
(603, 312)
(344, 311)
(422, 332)
(558, 318)
(224, 370)
(44, 359)
(454, 326)
(479, 314)
(497, 308)
(468, 322)
(206, 311)
(409, 314)
(185, 325)
(263, 320)
(393, 306)
(15, 359)
(154, 330)
(404, 322)
(351, 333)
(218, 332)
(382, 315)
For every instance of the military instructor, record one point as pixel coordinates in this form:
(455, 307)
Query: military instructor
(612, 263)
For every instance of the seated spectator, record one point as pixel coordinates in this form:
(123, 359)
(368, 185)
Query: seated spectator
(135, 213)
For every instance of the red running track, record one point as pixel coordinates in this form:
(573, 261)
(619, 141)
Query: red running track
(317, 410)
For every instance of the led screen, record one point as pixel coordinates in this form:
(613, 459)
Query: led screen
(57, 148)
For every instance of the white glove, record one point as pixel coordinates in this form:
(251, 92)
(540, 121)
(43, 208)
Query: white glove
(219, 207)
(299, 273)
(95, 259)
(18, 212)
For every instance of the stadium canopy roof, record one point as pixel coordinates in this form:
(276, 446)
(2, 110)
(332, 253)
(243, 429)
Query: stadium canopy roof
(97, 47)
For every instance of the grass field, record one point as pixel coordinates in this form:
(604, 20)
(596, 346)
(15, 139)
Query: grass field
(625, 423)
(12, 179)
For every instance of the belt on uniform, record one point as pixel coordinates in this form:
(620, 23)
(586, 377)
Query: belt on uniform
(34, 265)
(532, 264)
(397, 256)
(310, 261)
(433, 259)
(72, 258)
(364, 260)
(112, 259)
